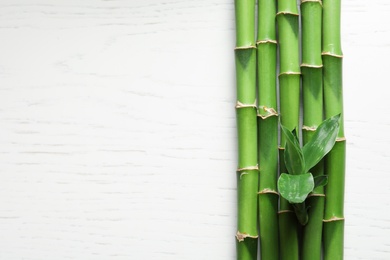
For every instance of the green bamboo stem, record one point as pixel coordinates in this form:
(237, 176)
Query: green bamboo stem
(268, 130)
(311, 22)
(335, 160)
(289, 84)
(288, 228)
(247, 172)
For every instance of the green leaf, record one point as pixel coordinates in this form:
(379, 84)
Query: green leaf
(295, 188)
(293, 155)
(321, 180)
(296, 139)
(322, 142)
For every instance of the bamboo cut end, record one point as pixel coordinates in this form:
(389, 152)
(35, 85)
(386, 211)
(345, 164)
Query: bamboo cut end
(241, 236)
(334, 219)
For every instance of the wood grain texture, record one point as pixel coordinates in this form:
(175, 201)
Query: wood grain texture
(118, 140)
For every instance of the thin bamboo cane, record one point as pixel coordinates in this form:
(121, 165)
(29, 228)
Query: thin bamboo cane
(289, 84)
(335, 160)
(247, 172)
(311, 22)
(268, 130)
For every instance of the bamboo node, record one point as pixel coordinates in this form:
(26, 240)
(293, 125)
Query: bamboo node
(341, 139)
(244, 171)
(311, 66)
(245, 47)
(241, 236)
(316, 195)
(309, 128)
(334, 218)
(249, 168)
(304, 1)
(286, 12)
(269, 112)
(242, 105)
(289, 73)
(332, 54)
(266, 41)
(285, 211)
(268, 191)
(242, 174)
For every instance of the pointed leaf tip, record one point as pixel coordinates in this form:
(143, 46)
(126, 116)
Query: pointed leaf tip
(322, 142)
(293, 155)
(321, 180)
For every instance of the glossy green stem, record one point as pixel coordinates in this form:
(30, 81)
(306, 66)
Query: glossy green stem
(289, 85)
(289, 77)
(312, 88)
(247, 172)
(334, 208)
(288, 226)
(335, 160)
(268, 130)
(312, 231)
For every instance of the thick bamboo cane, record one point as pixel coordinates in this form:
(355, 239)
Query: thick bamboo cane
(335, 160)
(247, 172)
(311, 22)
(289, 84)
(268, 130)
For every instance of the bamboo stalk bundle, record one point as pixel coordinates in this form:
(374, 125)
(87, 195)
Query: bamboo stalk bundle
(268, 130)
(289, 85)
(335, 160)
(247, 172)
(311, 23)
(307, 214)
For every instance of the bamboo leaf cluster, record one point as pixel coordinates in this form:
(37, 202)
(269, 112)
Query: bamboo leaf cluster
(298, 183)
(291, 162)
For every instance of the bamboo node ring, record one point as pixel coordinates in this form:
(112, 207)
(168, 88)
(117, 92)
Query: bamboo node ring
(241, 236)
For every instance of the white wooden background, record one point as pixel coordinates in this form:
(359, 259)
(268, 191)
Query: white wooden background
(117, 129)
